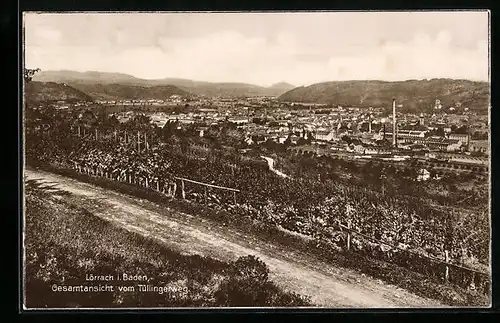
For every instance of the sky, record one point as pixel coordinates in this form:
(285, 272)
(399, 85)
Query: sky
(263, 48)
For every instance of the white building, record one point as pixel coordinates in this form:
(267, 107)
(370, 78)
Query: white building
(423, 175)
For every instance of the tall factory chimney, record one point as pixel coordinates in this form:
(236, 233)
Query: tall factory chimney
(394, 125)
(370, 124)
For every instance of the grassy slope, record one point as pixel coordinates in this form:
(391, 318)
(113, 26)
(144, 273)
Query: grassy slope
(64, 243)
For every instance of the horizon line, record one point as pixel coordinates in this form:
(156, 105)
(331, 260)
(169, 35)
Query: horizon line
(261, 85)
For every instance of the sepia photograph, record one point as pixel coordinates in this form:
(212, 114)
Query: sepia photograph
(296, 160)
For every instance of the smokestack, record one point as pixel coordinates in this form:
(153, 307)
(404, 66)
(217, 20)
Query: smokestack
(370, 124)
(394, 126)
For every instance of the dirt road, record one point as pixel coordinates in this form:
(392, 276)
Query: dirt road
(270, 163)
(325, 284)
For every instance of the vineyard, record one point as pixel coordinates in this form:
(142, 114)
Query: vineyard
(448, 244)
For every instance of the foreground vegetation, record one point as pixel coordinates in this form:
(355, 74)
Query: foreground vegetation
(64, 244)
(427, 284)
(320, 196)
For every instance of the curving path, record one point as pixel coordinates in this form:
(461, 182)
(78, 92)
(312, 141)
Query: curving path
(270, 163)
(327, 285)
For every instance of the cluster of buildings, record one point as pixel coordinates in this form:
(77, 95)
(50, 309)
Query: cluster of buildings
(327, 125)
(173, 99)
(357, 132)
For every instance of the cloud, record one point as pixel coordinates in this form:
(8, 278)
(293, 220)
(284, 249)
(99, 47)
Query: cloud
(422, 57)
(230, 56)
(42, 35)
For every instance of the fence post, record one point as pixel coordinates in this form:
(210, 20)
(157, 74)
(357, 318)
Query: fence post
(158, 184)
(473, 283)
(174, 189)
(138, 142)
(234, 197)
(205, 195)
(447, 271)
(182, 190)
(348, 235)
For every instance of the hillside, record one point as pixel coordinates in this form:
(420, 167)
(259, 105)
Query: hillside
(282, 86)
(209, 89)
(232, 90)
(36, 92)
(412, 94)
(130, 92)
(91, 77)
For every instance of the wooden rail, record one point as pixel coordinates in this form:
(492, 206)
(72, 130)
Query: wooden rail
(183, 191)
(209, 185)
(393, 246)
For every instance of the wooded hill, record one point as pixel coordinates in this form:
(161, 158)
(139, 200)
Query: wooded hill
(413, 94)
(50, 92)
(36, 92)
(130, 92)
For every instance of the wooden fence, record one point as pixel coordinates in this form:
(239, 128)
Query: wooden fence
(466, 277)
(164, 186)
(205, 185)
(463, 276)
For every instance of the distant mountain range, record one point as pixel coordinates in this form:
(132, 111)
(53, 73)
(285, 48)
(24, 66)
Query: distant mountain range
(412, 94)
(417, 95)
(81, 80)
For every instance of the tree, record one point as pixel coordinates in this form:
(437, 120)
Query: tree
(432, 172)
(28, 76)
(246, 283)
(29, 73)
(301, 141)
(288, 141)
(462, 130)
(437, 132)
(88, 119)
